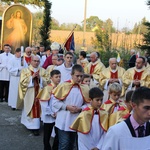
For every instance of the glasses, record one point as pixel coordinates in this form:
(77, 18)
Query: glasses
(36, 61)
(29, 52)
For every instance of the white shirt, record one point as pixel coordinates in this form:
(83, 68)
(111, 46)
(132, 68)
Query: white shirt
(65, 72)
(64, 118)
(4, 61)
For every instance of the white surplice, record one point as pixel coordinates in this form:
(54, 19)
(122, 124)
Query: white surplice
(94, 138)
(14, 68)
(64, 117)
(4, 60)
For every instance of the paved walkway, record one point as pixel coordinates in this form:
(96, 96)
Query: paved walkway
(13, 135)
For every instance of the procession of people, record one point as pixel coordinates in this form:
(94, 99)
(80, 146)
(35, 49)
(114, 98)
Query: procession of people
(83, 105)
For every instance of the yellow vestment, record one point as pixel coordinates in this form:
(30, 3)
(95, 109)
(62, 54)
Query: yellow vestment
(27, 95)
(84, 120)
(97, 70)
(106, 74)
(63, 89)
(128, 77)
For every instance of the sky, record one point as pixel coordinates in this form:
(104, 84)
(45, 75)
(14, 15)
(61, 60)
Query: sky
(123, 13)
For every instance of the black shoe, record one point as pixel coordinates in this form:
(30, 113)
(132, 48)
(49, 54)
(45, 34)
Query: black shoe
(1, 100)
(36, 132)
(13, 109)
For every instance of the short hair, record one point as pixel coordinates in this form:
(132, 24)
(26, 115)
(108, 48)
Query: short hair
(115, 87)
(54, 72)
(86, 76)
(68, 53)
(95, 92)
(128, 96)
(78, 68)
(83, 54)
(142, 58)
(6, 45)
(141, 94)
(48, 48)
(18, 50)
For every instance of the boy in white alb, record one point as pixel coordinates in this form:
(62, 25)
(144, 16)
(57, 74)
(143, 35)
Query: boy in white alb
(48, 116)
(66, 67)
(92, 123)
(4, 74)
(14, 67)
(69, 98)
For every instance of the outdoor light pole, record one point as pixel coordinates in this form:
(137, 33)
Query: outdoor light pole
(84, 30)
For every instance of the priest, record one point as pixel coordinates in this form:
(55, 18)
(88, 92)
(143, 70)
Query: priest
(32, 79)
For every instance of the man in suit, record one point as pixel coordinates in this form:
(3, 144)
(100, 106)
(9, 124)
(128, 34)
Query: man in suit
(136, 126)
(132, 58)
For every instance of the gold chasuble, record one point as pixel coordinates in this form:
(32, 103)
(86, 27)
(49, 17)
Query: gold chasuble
(27, 96)
(94, 69)
(133, 74)
(84, 121)
(107, 74)
(63, 89)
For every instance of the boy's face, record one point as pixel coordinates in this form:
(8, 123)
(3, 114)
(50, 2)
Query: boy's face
(141, 111)
(68, 59)
(86, 81)
(115, 95)
(77, 76)
(96, 102)
(56, 78)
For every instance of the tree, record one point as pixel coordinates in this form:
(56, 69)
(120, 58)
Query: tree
(102, 39)
(25, 2)
(140, 28)
(46, 26)
(146, 39)
(38, 20)
(92, 22)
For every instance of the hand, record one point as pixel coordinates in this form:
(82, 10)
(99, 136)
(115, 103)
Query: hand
(73, 109)
(36, 74)
(116, 80)
(111, 81)
(54, 115)
(77, 109)
(136, 82)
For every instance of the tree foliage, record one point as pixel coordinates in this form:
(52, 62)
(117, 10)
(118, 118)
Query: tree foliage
(25, 2)
(146, 39)
(37, 23)
(46, 26)
(140, 28)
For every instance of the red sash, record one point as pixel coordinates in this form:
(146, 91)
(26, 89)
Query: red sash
(114, 75)
(36, 105)
(92, 68)
(28, 60)
(138, 75)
